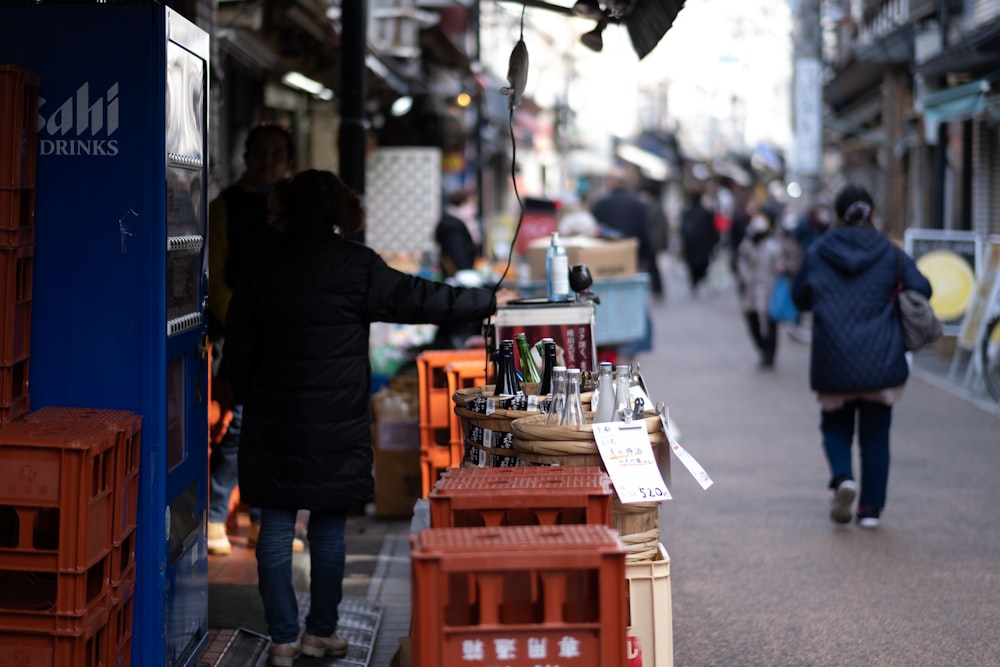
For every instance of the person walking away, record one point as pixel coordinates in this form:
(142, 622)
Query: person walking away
(297, 351)
(857, 365)
(758, 261)
(698, 239)
(236, 217)
(458, 234)
(625, 212)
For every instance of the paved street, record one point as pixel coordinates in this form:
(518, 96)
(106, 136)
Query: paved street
(760, 576)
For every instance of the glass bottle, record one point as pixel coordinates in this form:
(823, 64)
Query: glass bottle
(548, 363)
(558, 396)
(506, 381)
(623, 378)
(573, 409)
(602, 402)
(557, 270)
(529, 371)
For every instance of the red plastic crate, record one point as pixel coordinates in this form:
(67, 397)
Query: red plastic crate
(484, 499)
(123, 560)
(17, 217)
(46, 601)
(56, 495)
(18, 158)
(120, 624)
(11, 412)
(520, 596)
(88, 648)
(128, 429)
(435, 401)
(19, 91)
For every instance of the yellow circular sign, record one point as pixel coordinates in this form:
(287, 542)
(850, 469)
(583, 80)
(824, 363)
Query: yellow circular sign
(952, 280)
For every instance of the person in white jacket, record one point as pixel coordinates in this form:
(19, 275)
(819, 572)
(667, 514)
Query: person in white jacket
(758, 262)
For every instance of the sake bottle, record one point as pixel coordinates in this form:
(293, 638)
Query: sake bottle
(529, 371)
(506, 380)
(558, 396)
(548, 363)
(602, 402)
(573, 409)
(557, 270)
(623, 379)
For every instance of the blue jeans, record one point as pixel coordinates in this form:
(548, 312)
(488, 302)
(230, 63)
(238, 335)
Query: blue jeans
(224, 471)
(873, 422)
(327, 553)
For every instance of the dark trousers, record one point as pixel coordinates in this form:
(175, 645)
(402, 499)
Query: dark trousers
(766, 341)
(873, 421)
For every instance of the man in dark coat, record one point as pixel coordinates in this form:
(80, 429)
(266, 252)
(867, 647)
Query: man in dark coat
(698, 239)
(625, 212)
(857, 366)
(297, 349)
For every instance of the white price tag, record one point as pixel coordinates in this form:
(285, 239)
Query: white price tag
(532, 403)
(629, 459)
(491, 405)
(689, 461)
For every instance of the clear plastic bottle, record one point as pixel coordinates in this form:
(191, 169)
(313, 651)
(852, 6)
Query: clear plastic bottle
(557, 270)
(602, 402)
(558, 396)
(573, 409)
(623, 378)
(529, 371)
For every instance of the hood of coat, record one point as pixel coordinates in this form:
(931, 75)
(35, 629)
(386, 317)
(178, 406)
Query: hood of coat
(851, 250)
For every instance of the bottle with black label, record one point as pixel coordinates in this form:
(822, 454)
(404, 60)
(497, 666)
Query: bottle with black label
(506, 381)
(548, 363)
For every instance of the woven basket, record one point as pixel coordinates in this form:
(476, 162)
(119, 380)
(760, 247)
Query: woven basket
(537, 443)
(497, 424)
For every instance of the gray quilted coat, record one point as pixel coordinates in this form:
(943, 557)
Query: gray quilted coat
(847, 280)
(297, 349)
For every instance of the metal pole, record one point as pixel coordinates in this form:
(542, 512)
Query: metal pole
(808, 101)
(353, 91)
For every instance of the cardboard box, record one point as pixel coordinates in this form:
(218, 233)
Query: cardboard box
(397, 482)
(606, 258)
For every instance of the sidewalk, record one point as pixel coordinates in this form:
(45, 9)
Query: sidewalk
(760, 576)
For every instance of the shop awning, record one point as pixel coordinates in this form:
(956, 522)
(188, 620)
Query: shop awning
(955, 104)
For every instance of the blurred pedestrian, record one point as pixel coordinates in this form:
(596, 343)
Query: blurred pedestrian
(758, 261)
(235, 219)
(698, 238)
(298, 354)
(624, 211)
(458, 233)
(858, 365)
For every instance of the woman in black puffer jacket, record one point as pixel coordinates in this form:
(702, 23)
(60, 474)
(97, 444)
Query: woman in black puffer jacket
(297, 350)
(858, 365)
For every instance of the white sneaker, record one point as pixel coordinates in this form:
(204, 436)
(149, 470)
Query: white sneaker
(843, 498)
(869, 522)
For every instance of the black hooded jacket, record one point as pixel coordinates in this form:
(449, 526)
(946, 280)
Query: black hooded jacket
(297, 350)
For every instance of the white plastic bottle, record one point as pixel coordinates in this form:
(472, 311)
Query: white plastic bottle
(557, 270)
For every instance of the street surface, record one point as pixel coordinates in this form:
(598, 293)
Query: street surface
(760, 576)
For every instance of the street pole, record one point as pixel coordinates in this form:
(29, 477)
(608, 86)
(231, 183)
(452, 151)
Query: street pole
(808, 102)
(353, 90)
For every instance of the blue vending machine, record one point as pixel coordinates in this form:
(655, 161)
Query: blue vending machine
(119, 276)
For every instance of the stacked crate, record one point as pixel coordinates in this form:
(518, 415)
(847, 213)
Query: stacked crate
(436, 411)
(68, 497)
(519, 595)
(18, 156)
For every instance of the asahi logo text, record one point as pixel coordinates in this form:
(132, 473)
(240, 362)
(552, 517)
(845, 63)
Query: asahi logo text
(81, 125)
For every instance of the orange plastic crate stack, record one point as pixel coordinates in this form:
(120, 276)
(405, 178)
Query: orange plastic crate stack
(519, 596)
(18, 156)
(461, 375)
(56, 523)
(436, 410)
(539, 495)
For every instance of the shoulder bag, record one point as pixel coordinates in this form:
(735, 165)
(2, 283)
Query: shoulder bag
(919, 323)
